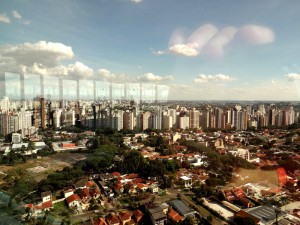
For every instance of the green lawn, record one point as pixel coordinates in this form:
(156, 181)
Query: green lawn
(60, 206)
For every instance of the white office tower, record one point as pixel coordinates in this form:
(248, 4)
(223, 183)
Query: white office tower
(4, 104)
(57, 118)
(184, 122)
(16, 138)
(117, 120)
(167, 122)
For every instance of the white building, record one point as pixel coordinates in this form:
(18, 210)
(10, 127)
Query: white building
(16, 138)
(4, 104)
(184, 122)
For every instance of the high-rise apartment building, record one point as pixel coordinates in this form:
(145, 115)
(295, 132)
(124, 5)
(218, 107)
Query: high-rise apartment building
(128, 120)
(194, 116)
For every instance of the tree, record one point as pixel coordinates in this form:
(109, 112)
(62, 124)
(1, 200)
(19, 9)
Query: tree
(133, 162)
(31, 145)
(20, 189)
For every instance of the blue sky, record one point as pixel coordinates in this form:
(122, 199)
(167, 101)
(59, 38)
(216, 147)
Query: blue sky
(204, 50)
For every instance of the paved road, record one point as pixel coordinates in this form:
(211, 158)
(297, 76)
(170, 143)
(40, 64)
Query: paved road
(203, 212)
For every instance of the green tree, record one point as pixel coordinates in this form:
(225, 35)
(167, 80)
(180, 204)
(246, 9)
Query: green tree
(133, 162)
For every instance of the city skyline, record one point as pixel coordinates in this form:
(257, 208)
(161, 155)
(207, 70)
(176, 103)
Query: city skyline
(202, 50)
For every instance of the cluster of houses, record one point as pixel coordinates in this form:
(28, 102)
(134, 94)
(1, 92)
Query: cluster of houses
(125, 217)
(77, 198)
(132, 182)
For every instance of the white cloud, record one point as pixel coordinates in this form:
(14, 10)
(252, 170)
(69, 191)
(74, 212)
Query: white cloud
(293, 76)
(19, 17)
(136, 1)
(209, 40)
(46, 53)
(184, 49)
(79, 70)
(257, 35)
(42, 58)
(106, 74)
(194, 44)
(4, 18)
(159, 52)
(16, 14)
(216, 46)
(202, 78)
(150, 77)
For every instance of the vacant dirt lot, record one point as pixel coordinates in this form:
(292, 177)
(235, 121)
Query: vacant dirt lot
(38, 169)
(244, 176)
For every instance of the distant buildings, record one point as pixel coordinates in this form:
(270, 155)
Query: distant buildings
(27, 116)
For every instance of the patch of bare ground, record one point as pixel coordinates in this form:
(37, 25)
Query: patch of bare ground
(243, 176)
(40, 168)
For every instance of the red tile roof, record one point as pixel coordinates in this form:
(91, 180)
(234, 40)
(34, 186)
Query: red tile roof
(100, 221)
(174, 215)
(85, 193)
(112, 219)
(72, 198)
(116, 174)
(137, 215)
(90, 184)
(126, 215)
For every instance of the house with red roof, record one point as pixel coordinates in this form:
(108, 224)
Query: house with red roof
(175, 216)
(124, 217)
(137, 216)
(100, 221)
(113, 219)
(73, 201)
(42, 207)
(142, 187)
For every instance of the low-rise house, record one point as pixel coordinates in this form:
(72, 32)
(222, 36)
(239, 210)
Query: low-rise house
(85, 198)
(157, 216)
(42, 207)
(81, 184)
(180, 207)
(46, 196)
(95, 193)
(113, 219)
(186, 181)
(153, 188)
(173, 215)
(142, 187)
(100, 221)
(68, 191)
(73, 201)
(137, 216)
(124, 217)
